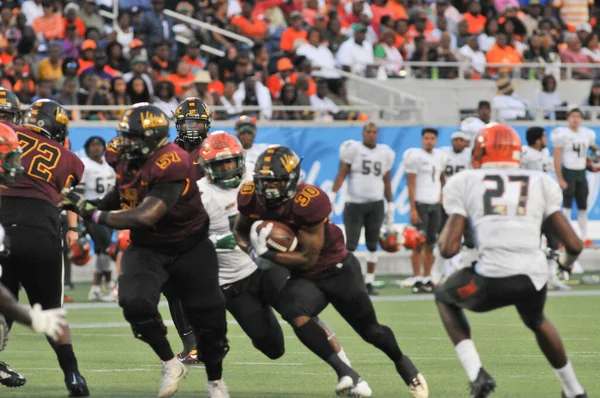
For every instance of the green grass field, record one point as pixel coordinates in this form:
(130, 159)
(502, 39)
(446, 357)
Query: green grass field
(117, 365)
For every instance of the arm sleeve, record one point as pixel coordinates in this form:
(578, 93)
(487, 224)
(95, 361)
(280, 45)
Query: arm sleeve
(347, 152)
(454, 201)
(553, 196)
(168, 192)
(410, 161)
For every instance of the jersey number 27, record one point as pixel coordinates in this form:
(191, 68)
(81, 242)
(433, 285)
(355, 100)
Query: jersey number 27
(499, 192)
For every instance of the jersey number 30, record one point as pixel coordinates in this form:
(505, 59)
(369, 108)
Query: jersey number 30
(45, 159)
(499, 192)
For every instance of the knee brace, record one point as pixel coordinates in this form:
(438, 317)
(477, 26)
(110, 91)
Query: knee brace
(371, 256)
(150, 331)
(214, 348)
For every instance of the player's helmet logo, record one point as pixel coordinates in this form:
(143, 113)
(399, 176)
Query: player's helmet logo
(496, 143)
(10, 104)
(10, 155)
(222, 158)
(192, 120)
(276, 176)
(144, 129)
(48, 118)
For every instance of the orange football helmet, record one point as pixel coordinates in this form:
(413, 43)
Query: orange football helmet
(216, 148)
(412, 238)
(123, 239)
(496, 143)
(10, 155)
(80, 252)
(389, 241)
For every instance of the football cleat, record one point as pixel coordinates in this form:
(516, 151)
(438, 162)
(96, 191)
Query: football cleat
(361, 389)
(217, 389)
(584, 395)
(344, 385)
(418, 387)
(420, 287)
(173, 372)
(428, 287)
(9, 377)
(483, 386)
(76, 385)
(371, 290)
(189, 358)
(95, 294)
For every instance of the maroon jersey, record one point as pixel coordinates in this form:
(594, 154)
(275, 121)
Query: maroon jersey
(112, 154)
(49, 167)
(169, 164)
(195, 156)
(310, 206)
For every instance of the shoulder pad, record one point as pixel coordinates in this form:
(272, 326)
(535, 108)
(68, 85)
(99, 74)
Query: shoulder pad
(246, 200)
(311, 205)
(169, 164)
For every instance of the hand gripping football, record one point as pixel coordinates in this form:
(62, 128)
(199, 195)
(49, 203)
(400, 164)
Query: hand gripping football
(281, 238)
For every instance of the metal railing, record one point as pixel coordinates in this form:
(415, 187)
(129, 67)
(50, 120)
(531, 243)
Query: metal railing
(526, 70)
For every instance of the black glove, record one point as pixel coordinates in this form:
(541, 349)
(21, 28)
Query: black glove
(76, 202)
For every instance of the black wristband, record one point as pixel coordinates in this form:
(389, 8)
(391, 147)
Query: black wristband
(103, 217)
(74, 229)
(270, 255)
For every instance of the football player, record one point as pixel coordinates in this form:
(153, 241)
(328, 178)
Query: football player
(458, 158)
(98, 178)
(536, 156)
(509, 206)
(571, 144)
(367, 165)
(160, 203)
(322, 271)
(29, 212)
(192, 121)
(425, 168)
(50, 322)
(473, 125)
(245, 130)
(250, 292)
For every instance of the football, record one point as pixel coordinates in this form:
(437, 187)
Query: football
(281, 238)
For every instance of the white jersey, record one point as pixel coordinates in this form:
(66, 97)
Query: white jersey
(532, 159)
(428, 167)
(574, 144)
(472, 126)
(367, 168)
(221, 206)
(456, 161)
(507, 208)
(97, 178)
(252, 155)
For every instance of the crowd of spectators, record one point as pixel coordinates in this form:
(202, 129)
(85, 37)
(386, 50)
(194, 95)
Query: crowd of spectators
(69, 51)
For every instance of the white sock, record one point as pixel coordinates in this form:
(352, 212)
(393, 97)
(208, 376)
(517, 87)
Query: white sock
(582, 219)
(426, 279)
(552, 270)
(567, 377)
(567, 212)
(369, 278)
(437, 271)
(344, 357)
(469, 358)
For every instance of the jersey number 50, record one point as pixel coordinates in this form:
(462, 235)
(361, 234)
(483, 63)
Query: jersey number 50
(499, 192)
(45, 159)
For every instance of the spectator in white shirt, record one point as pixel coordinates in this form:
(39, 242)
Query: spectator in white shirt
(32, 9)
(471, 53)
(319, 55)
(322, 105)
(356, 54)
(507, 105)
(442, 26)
(591, 48)
(387, 55)
(548, 97)
(253, 93)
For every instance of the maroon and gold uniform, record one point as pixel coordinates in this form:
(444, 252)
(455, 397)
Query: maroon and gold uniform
(112, 152)
(195, 156)
(310, 206)
(188, 217)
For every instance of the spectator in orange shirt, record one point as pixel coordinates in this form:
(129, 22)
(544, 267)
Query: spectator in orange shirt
(192, 57)
(256, 29)
(182, 79)
(310, 12)
(87, 55)
(474, 18)
(501, 53)
(381, 8)
(50, 25)
(216, 85)
(71, 19)
(276, 81)
(422, 27)
(293, 33)
(401, 29)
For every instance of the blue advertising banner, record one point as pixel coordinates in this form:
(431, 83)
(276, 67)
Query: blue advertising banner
(319, 147)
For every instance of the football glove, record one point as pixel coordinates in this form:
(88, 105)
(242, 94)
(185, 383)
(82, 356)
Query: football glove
(3, 332)
(261, 262)
(48, 322)
(258, 239)
(76, 202)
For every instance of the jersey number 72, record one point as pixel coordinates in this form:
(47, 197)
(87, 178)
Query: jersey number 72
(45, 158)
(499, 193)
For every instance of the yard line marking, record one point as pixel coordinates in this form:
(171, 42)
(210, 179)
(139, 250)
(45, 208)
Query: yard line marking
(424, 297)
(268, 363)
